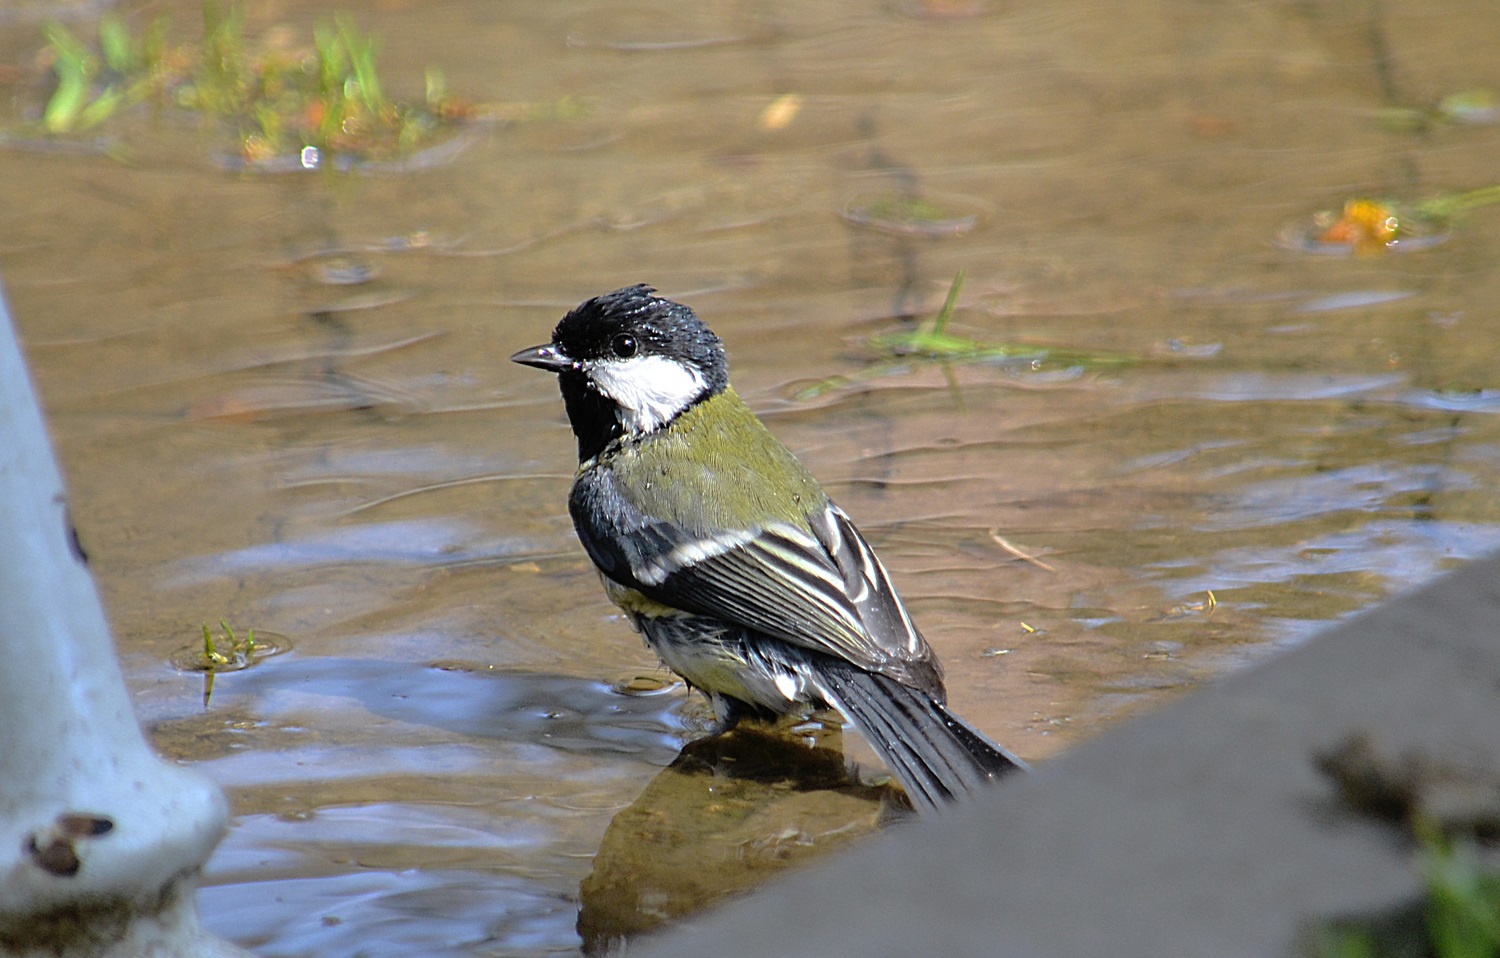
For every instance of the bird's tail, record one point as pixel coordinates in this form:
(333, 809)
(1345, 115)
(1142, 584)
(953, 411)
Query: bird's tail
(936, 755)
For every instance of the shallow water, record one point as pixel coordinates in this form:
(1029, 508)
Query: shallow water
(283, 401)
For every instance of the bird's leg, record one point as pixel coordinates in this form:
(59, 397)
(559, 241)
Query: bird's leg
(727, 713)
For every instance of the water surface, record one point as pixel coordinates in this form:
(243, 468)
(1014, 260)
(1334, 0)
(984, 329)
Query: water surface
(283, 401)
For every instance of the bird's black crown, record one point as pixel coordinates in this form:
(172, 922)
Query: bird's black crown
(633, 321)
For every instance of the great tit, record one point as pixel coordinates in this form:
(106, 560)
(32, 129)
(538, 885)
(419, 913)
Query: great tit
(730, 559)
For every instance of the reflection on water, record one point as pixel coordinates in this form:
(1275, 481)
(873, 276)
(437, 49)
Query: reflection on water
(283, 402)
(727, 814)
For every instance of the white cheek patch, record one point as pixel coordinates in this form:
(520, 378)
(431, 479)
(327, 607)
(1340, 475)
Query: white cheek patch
(650, 390)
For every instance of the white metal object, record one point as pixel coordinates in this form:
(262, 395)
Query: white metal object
(100, 840)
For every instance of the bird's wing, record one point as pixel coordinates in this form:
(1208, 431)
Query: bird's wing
(820, 588)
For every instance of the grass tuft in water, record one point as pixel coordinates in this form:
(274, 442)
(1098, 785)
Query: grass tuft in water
(908, 215)
(1469, 107)
(930, 343)
(309, 103)
(226, 651)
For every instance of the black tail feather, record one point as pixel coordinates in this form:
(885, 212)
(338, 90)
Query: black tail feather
(936, 755)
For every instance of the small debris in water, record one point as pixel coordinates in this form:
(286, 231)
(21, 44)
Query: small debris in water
(780, 112)
(344, 271)
(1365, 225)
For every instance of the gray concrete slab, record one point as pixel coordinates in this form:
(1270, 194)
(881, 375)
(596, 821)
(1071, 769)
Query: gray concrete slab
(1202, 829)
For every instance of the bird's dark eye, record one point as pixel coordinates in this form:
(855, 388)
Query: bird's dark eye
(624, 345)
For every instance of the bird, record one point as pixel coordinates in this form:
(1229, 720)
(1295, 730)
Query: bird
(729, 558)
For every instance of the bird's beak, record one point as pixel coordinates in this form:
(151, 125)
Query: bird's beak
(546, 356)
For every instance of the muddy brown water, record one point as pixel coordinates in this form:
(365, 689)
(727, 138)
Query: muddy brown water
(283, 401)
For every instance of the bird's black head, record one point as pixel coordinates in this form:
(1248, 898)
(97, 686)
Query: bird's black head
(628, 363)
